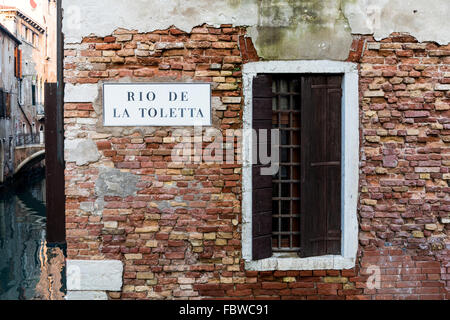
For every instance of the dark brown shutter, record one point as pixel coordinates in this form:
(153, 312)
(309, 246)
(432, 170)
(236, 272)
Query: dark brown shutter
(20, 64)
(16, 60)
(262, 184)
(321, 165)
(8, 105)
(2, 104)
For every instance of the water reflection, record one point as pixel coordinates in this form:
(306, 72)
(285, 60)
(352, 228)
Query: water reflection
(29, 269)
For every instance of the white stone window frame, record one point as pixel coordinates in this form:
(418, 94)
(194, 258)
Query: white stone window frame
(350, 166)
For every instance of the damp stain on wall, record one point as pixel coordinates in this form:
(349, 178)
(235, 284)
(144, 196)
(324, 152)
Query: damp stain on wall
(289, 29)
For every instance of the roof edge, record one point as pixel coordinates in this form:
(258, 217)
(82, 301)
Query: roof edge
(9, 34)
(25, 17)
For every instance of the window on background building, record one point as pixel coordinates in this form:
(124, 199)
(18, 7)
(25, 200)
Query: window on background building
(11, 148)
(38, 91)
(298, 209)
(42, 91)
(8, 105)
(18, 63)
(33, 94)
(21, 91)
(35, 40)
(41, 134)
(2, 104)
(5, 104)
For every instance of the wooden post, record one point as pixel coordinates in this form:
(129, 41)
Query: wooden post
(54, 164)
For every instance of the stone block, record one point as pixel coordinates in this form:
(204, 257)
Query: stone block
(94, 275)
(86, 295)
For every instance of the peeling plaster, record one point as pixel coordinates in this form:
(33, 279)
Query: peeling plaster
(425, 20)
(115, 183)
(80, 93)
(281, 29)
(101, 17)
(81, 151)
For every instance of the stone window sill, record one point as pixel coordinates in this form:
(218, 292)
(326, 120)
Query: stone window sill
(285, 262)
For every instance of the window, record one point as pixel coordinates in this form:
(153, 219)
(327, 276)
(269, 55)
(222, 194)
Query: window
(8, 104)
(29, 35)
(21, 100)
(41, 134)
(304, 216)
(5, 104)
(18, 63)
(24, 32)
(33, 94)
(286, 182)
(38, 91)
(35, 40)
(11, 148)
(305, 202)
(2, 104)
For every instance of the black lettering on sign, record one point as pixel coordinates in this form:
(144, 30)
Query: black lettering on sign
(130, 96)
(162, 113)
(124, 114)
(173, 96)
(149, 96)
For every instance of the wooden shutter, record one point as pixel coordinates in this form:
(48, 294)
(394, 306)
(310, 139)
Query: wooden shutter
(262, 184)
(16, 59)
(321, 165)
(2, 104)
(19, 63)
(8, 105)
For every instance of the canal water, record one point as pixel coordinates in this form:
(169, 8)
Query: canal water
(29, 268)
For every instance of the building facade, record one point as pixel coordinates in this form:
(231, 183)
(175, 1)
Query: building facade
(36, 65)
(9, 92)
(356, 96)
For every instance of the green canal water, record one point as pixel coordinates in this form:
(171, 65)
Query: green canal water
(29, 268)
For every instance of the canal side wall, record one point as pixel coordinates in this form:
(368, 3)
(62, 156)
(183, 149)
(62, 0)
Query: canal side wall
(141, 226)
(9, 108)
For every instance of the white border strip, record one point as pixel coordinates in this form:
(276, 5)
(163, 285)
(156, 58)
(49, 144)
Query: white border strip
(350, 167)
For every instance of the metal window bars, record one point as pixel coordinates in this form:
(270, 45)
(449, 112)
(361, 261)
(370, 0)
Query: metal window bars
(286, 183)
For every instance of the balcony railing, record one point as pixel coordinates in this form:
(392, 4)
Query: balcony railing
(27, 139)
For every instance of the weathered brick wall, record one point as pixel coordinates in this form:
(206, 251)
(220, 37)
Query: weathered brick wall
(179, 234)
(405, 165)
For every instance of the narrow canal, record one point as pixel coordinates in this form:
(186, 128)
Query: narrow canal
(29, 268)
